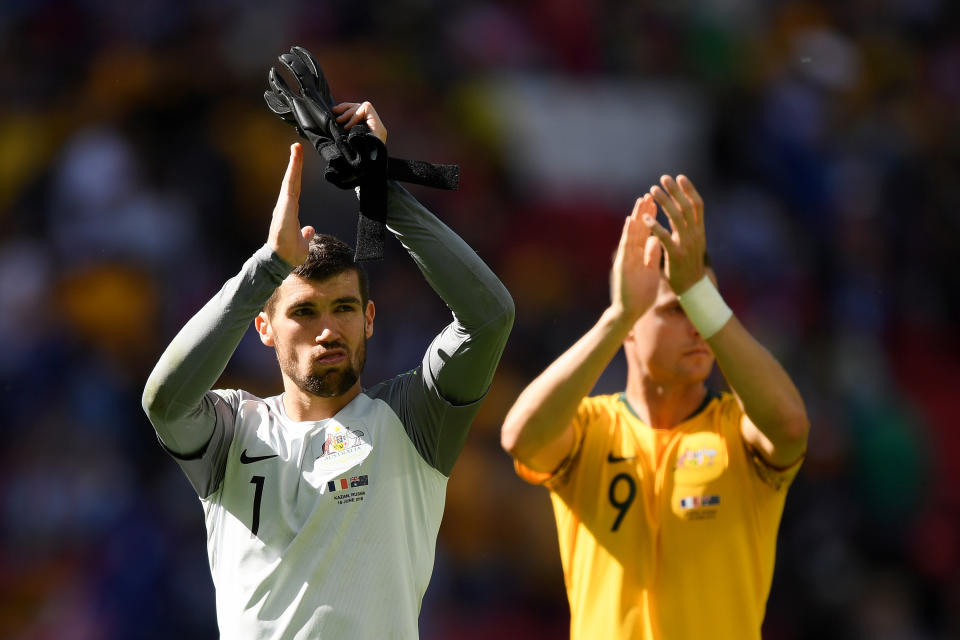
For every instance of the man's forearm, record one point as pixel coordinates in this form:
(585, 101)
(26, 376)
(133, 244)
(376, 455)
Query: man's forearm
(482, 307)
(769, 397)
(454, 270)
(199, 353)
(537, 428)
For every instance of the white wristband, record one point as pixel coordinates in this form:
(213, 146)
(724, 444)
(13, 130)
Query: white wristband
(705, 307)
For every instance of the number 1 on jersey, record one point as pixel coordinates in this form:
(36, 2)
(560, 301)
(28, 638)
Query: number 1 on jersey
(624, 504)
(257, 496)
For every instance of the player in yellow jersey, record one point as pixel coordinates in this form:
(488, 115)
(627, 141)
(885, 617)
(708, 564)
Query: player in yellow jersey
(667, 496)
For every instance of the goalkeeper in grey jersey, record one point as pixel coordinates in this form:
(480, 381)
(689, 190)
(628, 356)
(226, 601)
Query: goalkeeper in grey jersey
(322, 504)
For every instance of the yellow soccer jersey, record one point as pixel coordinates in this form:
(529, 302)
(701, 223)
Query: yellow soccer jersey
(665, 534)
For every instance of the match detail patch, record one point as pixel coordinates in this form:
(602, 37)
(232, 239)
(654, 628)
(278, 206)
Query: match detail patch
(350, 482)
(692, 502)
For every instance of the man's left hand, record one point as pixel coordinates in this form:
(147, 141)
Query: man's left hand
(686, 243)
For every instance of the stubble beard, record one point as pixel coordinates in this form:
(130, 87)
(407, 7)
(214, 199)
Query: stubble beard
(332, 382)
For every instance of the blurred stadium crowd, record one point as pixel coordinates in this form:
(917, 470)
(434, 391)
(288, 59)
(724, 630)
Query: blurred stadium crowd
(139, 165)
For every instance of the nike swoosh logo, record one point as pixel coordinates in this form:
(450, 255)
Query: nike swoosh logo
(245, 459)
(613, 458)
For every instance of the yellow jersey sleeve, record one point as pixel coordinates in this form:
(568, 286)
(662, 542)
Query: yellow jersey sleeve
(774, 477)
(588, 412)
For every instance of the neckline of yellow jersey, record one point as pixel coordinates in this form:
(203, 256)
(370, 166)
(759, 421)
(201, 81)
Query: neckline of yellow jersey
(711, 394)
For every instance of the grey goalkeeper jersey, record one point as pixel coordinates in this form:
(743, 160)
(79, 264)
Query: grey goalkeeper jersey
(327, 529)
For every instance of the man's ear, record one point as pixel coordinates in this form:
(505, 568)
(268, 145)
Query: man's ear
(368, 315)
(262, 324)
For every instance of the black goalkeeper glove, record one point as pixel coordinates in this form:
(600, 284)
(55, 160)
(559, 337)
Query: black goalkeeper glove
(354, 158)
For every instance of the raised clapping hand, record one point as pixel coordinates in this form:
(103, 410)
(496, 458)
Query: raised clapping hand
(686, 244)
(350, 113)
(635, 275)
(286, 238)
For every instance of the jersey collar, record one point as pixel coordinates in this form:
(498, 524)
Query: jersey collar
(711, 394)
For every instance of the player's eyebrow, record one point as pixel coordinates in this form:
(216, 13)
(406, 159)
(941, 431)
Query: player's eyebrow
(302, 302)
(311, 302)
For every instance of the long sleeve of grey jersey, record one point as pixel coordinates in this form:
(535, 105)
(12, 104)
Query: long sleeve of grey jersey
(463, 358)
(175, 396)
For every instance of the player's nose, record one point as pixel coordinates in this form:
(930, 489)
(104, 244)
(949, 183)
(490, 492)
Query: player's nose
(328, 333)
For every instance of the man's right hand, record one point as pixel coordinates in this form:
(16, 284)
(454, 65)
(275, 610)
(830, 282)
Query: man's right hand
(286, 238)
(352, 113)
(635, 275)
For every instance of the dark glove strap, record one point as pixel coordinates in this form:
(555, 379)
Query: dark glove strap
(371, 225)
(371, 233)
(427, 174)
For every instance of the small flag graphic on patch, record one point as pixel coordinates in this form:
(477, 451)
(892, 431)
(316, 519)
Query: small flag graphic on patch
(692, 502)
(347, 483)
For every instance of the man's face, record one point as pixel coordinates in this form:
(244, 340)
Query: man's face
(320, 332)
(665, 346)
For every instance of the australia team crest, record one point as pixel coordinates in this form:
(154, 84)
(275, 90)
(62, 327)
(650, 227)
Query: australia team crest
(340, 441)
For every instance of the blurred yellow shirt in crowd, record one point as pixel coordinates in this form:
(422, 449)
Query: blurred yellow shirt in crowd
(665, 534)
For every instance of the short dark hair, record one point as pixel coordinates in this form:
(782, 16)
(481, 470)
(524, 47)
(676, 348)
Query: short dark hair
(328, 256)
